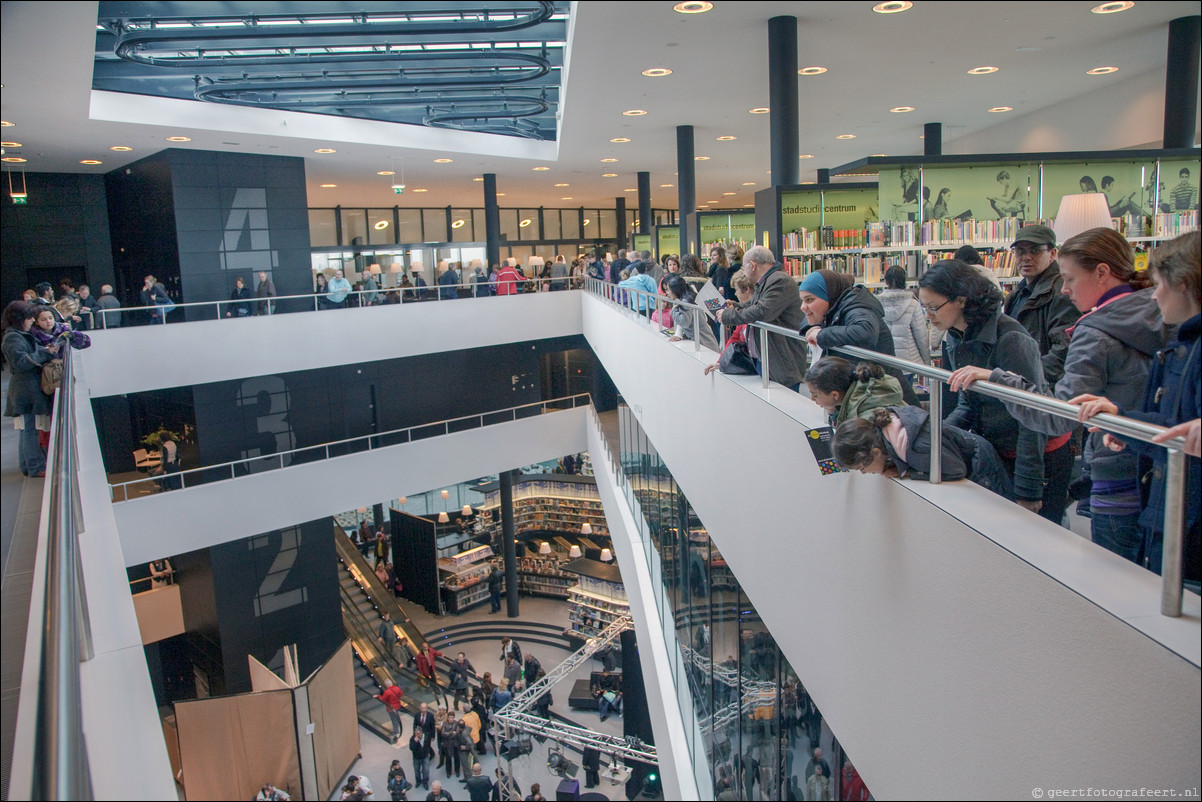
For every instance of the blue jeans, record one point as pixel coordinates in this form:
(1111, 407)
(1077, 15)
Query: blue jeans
(30, 457)
(494, 598)
(1121, 534)
(421, 771)
(604, 706)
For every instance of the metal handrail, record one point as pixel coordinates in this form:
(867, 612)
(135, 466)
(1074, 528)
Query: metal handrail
(268, 302)
(60, 760)
(1174, 518)
(276, 461)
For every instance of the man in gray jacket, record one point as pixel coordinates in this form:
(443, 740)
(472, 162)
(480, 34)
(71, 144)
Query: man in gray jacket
(774, 301)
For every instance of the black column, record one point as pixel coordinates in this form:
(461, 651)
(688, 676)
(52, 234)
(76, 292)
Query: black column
(782, 99)
(1181, 83)
(508, 547)
(686, 182)
(644, 186)
(492, 223)
(932, 139)
(824, 175)
(377, 515)
(620, 219)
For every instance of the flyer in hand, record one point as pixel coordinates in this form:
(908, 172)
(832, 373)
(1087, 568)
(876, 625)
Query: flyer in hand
(709, 299)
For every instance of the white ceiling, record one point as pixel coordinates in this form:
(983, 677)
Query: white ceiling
(720, 70)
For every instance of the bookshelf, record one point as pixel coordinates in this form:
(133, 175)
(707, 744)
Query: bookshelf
(542, 503)
(541, 576)
(464, 578)
(596, 599)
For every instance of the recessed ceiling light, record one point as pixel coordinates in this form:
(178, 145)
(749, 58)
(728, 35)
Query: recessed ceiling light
(875, 155)
(478, 178)
(713, 201)
(620, 139)
(749, 183)
(458, 223)
(701, 158)
(726, 138)
(121, 148)
(609, 175)
(11, 144)
(998, 109)
(328, 186)
(325, 150)
(666, 186)
(693, 7)
(540, 169)
(90, 161)
(728, 193)
(499, 194)
(588, 221)
(630, 189)
(6, 124)
(525, 222)
(748, 205)
(759, 110)
(567, 198)
(892, 7)
(634, 112)
(807, 182)
(1112, 8)
(1101, 70)
(562, 185)
(423, 189)
(610, 160)
(14, 159)
(811, 70)
(805, 156)
(846, 136)
(179, 139)
(901, 109)
(380, 225)
(386, 172)
(443, 161)
(657, 72)
(982, 70)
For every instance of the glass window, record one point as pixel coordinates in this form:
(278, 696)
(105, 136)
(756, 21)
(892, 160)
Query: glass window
(552, 228)
(434, 225)
(463, 227)
(322, 232)
(509, 224)
(354, 226)
(381, 231)
(410, 228)
(569, 223)
(528, 224)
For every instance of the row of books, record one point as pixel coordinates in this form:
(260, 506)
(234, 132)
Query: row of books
(967, 232)
(1174, 224)
(870, 269)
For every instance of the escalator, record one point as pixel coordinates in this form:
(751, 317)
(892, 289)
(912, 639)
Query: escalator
(364, 600)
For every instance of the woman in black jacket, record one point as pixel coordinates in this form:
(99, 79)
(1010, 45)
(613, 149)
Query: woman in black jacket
(961, 302)
(839, 312)
(26, 400)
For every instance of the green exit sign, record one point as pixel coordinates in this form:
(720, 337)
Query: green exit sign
(398, 190)
(20, 201)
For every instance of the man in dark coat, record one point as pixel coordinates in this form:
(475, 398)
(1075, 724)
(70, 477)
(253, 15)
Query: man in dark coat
(1037, 301)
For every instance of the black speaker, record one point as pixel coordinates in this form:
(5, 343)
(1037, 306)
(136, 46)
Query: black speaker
(513, 749)
(568, 790)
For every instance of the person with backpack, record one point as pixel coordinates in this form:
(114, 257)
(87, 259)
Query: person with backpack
(398, 784)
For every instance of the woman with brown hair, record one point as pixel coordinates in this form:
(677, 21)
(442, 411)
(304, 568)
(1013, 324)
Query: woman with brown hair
(1109, 354)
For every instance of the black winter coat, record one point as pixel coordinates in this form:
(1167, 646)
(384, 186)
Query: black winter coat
(857, 318)
(25, 358)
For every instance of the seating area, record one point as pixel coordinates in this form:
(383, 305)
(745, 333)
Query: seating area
(144, 460)
(581, 697)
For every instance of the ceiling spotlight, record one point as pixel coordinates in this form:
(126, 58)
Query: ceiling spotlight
(726, 138)
(634, 112)
(540, 169)
(728, 193)
(121, 148)
(759, 110)
(999, 109)
(179, 139)
(693, 7)
(458, 223)
(90, 161)
(562, 185)
(1101, 70)
(806, 156)
(325, 150)
(630, 189)
(892, 7)
(609, 175)
(525, 222)
(749, 183)
(701, 158)
(6, 124)
(386, 172)
(443, 161)
(620, 139)
(567, 198)
(10, 145)
(608, 161)
(657, 72)
(666, 186)
(846, 136)
(982, 70)
(1112, 8)
(423, 189)
(811, 70)
(380, 225)
(14, 159)
(588, 221)
(328, 186)
(478, 178)
(901, 109)
(879, 154)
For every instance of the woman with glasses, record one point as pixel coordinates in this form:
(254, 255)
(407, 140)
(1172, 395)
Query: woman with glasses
(962, 303)
(1109, 352)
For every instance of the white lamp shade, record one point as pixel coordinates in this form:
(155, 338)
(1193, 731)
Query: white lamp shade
(467, 509)
(536, 261)
(443, 517)
(545, 548)
(396, 267)
(586, 528)
(574, 552)
(1080, 213)
(476, 263)
(446, 494)
(362, 510)
(404, 500)
(374, 269)
(511, 261)
(418, 266)
(606, 555)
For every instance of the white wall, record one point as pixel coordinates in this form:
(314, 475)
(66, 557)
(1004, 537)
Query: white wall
(193, 518)
(947, 664)
(130, 360)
